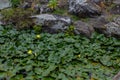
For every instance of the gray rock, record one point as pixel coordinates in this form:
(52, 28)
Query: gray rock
(63, 4)
(102, 1)
(98, 23)
(117, 20)
(117, 76)
(112, 29)
(52, 23)
(40, 7)
(102, 25)
(115, 9)
(97, 1)
(84, 8)
(83, 28)
(44, 9)
(4, 4)
(44, 1)
(26, 5)
(41, 1)
(116, 1)
(1, 23)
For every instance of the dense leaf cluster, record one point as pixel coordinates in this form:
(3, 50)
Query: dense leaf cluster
(25, 55)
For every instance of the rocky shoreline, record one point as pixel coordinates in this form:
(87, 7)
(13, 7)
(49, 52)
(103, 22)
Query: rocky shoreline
(98, 12)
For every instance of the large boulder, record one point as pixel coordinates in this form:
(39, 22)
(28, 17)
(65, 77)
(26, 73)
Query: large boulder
(98, 23)
(83, 29)
(4, 4)
(109, 28)
(52, 23)
(84, 8)
(113, 28)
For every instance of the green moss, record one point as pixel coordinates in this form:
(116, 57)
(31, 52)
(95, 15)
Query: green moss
(60, 12)
(85, 19)
(18, 17)
(110, 7)
(74, 18)
(70, 31)
(37, 28)
(7, 14)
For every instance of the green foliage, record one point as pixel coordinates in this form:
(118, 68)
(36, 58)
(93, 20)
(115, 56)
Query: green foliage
(57, 57)
(85, 19)
(15, 3)
(60, 12)
(70, 31)
(75, 18)
(18, 17)
(53, 4)
(37, 28)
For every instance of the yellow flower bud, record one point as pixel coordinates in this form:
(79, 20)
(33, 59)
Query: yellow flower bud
(38, 36)
(29, 52)
(79, 55)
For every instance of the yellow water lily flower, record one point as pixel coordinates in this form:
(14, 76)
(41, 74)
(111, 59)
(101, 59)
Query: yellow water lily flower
(38, 36)
(29, 52)
(79, 55)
